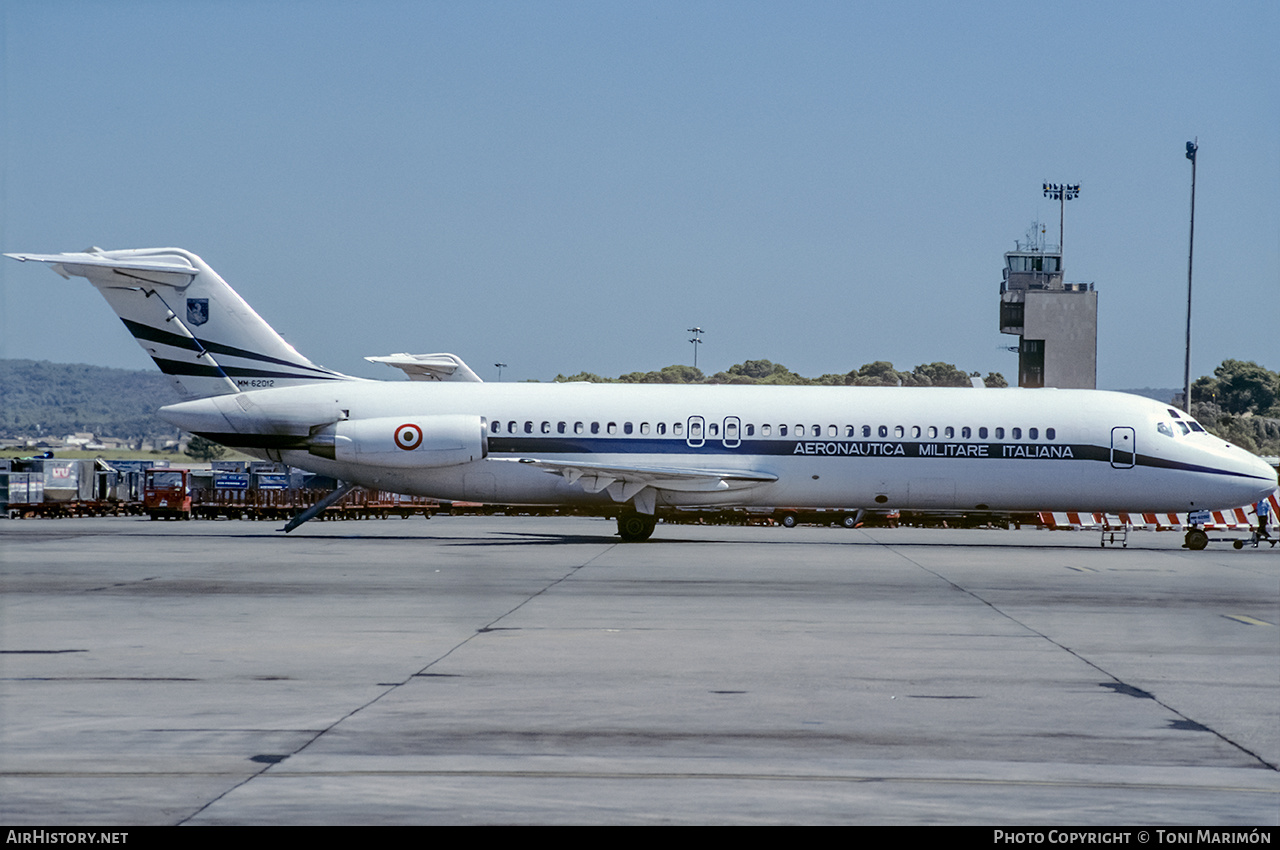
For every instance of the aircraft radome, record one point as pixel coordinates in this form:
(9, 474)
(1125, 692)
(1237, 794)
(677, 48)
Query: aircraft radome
(631, 449)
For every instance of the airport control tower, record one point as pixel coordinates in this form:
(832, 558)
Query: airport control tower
(1056, 323)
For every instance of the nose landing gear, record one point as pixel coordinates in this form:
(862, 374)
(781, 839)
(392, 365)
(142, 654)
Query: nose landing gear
(1195, 540)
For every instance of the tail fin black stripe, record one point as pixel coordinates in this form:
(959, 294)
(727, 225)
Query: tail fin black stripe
(199, 370)
(141, 331)
(175, 367)
(219, 348)
(153, 334)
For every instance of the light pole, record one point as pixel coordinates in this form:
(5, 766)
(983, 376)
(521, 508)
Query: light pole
(500, 367)
(697, 340)
(1192, 147)
(1061, 192)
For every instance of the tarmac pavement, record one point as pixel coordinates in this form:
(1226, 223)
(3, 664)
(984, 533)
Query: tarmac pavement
(536, 670)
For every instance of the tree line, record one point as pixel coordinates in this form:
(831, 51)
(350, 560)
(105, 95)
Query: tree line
(765, 372)
(1240, 402)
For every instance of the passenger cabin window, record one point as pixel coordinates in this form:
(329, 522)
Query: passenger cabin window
(595, 427)
(611, 428)
(982, 432)
(578, 427)
(949, 433)
(495, 427)
(546, 427)
(512, 427)
(999, 433)
(966, 432)
(560, 427)
(1050, 434)
(766, 430)
(866, 431)
(644, 427)
(528, 427)
(898, 432)
(678, 429)
(1033, 433)
(782, 430)
(662, 428)
(1016, 434)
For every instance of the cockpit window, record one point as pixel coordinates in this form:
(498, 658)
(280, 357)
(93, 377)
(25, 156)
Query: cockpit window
(1163, 428)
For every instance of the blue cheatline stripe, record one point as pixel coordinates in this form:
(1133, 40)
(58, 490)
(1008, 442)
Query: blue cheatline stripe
(775, 448)
(1162, 463)
(836, 449)
(581, 444)
(151, 334)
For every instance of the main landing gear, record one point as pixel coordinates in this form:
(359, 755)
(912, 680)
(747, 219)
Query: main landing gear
(634, 527)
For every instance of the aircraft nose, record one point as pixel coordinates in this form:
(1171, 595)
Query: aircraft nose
(1266, 472)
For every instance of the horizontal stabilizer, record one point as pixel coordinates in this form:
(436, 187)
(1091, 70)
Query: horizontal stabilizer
(430, 367)
(166, 269)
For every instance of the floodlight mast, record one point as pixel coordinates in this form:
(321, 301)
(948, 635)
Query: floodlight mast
(696, 340)
(1192, 147)
(1061, 192)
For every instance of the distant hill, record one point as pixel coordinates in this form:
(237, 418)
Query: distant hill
(1161, 395)
(39, 398)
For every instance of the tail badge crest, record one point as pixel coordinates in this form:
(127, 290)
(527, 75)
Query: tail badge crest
(197, 310)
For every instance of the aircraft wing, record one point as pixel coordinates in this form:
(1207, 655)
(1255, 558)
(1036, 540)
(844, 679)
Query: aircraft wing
(641, 482)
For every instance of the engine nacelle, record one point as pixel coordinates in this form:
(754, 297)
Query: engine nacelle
(403, 442)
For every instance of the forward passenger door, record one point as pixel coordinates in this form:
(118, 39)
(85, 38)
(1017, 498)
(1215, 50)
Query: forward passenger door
(1123, 450)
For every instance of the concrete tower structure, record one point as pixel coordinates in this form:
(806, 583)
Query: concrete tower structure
(1056, 323)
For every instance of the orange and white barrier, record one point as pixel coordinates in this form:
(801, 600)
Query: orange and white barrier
(1233, 518)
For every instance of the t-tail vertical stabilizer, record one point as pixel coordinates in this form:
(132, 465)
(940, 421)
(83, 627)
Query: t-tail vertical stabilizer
(196, 328)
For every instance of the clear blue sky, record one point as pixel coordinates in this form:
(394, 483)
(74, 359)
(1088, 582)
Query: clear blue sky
(567, 186)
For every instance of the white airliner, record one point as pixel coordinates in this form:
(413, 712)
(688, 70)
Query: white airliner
(628, 449)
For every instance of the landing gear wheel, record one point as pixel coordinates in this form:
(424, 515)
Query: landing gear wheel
(850, 521)
(788, 520)
(1196, 540)
(633, 528)
(1237, 544)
